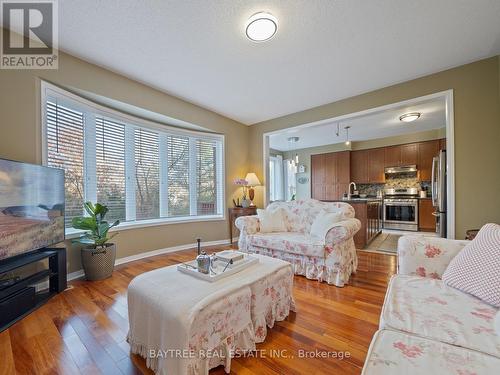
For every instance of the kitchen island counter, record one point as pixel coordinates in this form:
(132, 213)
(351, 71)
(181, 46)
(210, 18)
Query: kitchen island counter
(369, 212)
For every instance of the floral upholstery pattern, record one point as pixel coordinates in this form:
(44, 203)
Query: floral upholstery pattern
(271, 301)
(427, 326)
(426, 256)
(331, 259)
(216, 322)
(290, 242)
(395, 353)
(300, 215)
(429, 308)
(237, 322)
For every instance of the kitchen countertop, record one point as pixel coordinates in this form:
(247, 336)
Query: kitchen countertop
(365, 200)
(357, 200)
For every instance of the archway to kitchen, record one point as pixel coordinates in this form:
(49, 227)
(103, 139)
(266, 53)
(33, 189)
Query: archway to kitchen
(384, 152)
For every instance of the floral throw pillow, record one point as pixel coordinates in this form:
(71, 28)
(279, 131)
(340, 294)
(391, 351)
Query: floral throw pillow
(476, 269)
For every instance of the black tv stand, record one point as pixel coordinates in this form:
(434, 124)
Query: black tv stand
(18, 297)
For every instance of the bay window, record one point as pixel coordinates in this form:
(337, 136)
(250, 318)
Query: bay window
(146, 173)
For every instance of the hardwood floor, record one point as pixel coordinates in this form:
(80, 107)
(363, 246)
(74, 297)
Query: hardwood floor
(83, 329)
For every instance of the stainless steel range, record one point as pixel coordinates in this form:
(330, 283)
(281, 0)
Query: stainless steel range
(401, 209)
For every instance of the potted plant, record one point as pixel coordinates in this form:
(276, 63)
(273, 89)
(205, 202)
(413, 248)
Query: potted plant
(98, 255)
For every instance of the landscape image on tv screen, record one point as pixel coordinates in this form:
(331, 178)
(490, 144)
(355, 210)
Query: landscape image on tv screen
(31, 207)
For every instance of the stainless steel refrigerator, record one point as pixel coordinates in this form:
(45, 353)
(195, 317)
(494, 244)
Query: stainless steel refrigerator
(438, 188)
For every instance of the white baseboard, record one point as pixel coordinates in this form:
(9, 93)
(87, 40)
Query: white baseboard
(79, 274)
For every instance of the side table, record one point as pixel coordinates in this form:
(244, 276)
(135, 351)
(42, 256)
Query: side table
(235, 212)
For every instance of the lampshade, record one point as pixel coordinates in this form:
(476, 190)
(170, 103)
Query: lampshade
(252, 179)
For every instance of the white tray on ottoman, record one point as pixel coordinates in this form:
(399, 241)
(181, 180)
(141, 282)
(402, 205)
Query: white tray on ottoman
(219, 268)
(184, 325)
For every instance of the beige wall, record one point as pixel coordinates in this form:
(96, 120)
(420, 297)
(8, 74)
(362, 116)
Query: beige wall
(477, 132)
(304, 190)
(477, 135)
(20, 138)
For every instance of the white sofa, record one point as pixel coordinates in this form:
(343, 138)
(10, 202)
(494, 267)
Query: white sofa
(427, 327)
(331, 259)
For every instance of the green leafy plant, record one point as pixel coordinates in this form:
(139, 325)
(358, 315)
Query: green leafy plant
(95, 224)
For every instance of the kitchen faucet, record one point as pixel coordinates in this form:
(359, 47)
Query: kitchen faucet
(349, 193)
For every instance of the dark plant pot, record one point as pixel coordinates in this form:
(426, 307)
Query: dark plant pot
(98, 263)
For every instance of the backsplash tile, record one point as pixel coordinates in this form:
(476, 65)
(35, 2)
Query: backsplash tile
(373, 189)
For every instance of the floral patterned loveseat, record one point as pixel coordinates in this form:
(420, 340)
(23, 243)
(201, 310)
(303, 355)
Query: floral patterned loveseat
(331, 259)
(427, 327)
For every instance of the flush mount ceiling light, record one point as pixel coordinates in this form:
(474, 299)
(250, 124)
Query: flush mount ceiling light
(261, 26)
(409, 117)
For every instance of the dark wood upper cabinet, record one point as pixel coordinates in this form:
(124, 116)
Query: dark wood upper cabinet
(343, 173)
(376, 164)
(318, 175)
(330, 174)
(330, 168)
(343, 167)
(396, 156)
(426, 151)
(359, 166)
(392, 156)
(409, 154)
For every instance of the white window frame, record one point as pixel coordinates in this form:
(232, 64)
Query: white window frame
(82, 104)
(278, 178)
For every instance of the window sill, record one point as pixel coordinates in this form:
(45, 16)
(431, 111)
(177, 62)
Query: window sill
(75, 233)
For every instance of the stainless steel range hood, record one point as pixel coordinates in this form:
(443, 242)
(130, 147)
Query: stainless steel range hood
(402, 169)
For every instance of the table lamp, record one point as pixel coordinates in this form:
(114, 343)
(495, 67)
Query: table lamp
(253, 181)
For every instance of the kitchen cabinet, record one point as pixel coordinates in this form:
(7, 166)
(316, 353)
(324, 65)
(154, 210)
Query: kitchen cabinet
(426, 220)
(399, 155)
(369, 214)
(318, 174)
(426, 151)
(392, 156)
(409, 154)
(376, 164)
(359, 166)
(374, 220)
(330, 175)
(343, 175)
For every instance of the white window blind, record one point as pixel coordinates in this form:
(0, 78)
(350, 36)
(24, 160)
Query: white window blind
(206, 177)
(110, 166)
(147, 175)
(142, 172)
(64, 143)
(178, 175)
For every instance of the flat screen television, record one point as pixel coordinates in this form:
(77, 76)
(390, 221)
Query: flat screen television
(31, 207)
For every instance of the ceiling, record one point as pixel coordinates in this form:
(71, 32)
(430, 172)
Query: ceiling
(377, 125)
(324, 50)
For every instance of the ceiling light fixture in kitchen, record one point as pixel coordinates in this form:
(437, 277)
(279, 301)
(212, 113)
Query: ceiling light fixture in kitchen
(261, 26)
(347, 141)
(409, 117)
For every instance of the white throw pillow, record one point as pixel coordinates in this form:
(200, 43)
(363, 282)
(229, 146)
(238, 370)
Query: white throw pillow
(271, 221)
(324, 222)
